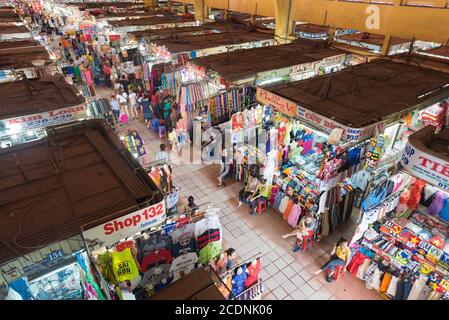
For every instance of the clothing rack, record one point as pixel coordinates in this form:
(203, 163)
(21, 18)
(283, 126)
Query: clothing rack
(258, 287)
(247, 261)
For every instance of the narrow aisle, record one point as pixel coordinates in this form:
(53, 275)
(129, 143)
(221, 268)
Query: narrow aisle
(287, 275)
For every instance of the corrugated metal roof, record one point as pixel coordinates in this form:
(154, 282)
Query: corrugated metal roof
(50, 187)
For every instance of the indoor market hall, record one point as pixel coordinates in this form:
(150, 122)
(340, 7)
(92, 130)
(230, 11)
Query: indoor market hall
(238, 152)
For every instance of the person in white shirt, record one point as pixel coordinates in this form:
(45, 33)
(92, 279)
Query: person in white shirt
(162, 154)
(122, 99)
(115, 108)
(133, 104)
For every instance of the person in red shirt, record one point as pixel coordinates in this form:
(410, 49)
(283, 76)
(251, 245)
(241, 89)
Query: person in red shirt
(107, 73)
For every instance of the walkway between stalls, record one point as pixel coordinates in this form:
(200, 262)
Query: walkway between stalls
(287, 276)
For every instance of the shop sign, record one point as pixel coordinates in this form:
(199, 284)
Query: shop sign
(426, 167)
(49, 260)
(278, 103)
(44, 119)
(120, 228)
(302, 67)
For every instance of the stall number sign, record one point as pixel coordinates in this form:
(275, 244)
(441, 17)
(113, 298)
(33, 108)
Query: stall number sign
(426, 167)
(127, 225)
(45, 119)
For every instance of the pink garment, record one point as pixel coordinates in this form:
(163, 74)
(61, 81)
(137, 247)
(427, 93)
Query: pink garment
(294, 215)
(307, 145)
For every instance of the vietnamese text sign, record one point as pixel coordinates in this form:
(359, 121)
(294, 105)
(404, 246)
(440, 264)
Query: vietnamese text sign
(426, 167)
(120, 228)
(45, 119)
(278, 103)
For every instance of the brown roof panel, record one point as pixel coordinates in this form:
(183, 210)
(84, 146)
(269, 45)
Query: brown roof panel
(442, 51)
(11, 28)
(22, 57)
(242, 64)
(371, 38)
(34, 96)
(50, 187)
(198, 42)
(154, 20)
(385, 88)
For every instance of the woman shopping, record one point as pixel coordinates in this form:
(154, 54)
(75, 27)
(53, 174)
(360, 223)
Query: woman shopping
(340, 257)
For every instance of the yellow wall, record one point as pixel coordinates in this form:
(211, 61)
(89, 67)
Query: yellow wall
(422, 23)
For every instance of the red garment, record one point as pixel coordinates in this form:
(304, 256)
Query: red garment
(415, 194)
(281, 134)
(253, 274)
(156, 257)
(356, 262)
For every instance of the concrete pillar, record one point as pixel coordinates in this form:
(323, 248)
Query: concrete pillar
(200, 10)
(169, 4)
(186, 8)
(284, 25)
(386, 45)
(150, 3)
(331, 34)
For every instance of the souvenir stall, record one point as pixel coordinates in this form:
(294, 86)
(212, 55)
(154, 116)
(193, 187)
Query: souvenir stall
(235, 89)
(58, 277)
(143, 252)
(400, 244)
(243, 281)
(334, 165)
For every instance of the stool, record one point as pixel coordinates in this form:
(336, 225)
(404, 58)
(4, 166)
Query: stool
(261, 206)
(307, 242)
(162, 132)
(339, 272)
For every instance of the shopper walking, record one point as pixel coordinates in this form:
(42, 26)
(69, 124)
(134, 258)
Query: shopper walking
(115, 106)
(146, 109)
(225, 166)
(339, 257)
(122, 99)
(132, 98)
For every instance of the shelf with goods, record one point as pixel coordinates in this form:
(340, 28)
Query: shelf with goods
(403, 229)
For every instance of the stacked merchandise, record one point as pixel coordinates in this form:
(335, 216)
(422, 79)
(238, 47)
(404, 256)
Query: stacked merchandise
(153, 261)
(435, 115)
(224, 105)
(403, 254)
(244, 281)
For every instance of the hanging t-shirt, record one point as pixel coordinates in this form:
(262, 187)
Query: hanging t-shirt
(208, 236)
(156, 275)
(209, 252)
(155, 257)
(238, 281)
(183, 265)
(209, 222)
(124, 265)
(155, 242)
(183, 240)
(444, 213)
(253, 274)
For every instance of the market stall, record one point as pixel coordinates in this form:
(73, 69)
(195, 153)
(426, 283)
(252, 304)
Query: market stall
(334, 139)
(146, 251)
(157, 21)
(11, 31)
(373, 42)
(23, 56)
(401, 246)
(96, 178)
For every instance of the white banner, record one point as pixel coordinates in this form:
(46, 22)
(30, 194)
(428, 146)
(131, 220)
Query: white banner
(120, 228)
(44, 119)
(426, 167)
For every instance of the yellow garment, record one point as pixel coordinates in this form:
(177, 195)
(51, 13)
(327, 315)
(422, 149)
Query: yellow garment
(264, 190)
(343, 254)
(124, 265)
(288, 129)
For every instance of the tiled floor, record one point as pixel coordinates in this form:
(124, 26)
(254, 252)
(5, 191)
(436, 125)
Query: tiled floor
(286, 275)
